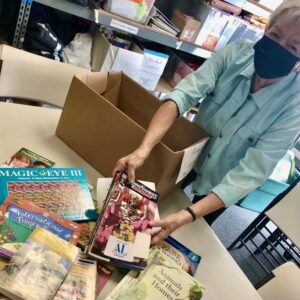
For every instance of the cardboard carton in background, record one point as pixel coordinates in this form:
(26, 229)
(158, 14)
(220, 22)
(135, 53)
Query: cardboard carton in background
(188, 26)
(105, 117)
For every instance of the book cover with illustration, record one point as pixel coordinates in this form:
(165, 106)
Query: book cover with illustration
(38, 268)
(18, 219)
(183, 256)
(80, 282)
(162, 279)
(25, 158)
(122, 235)
(61, 190)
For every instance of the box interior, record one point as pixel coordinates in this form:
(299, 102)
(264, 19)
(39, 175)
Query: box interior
(140, 106)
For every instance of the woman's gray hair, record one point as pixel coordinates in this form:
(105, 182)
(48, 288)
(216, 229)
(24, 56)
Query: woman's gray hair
(289, 9)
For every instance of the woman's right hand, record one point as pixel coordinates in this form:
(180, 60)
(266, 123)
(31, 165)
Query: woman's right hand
(130, 163)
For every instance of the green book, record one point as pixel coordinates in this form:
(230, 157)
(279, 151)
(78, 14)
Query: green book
(162, 279)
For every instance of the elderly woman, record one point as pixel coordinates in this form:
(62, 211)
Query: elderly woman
(251, 109)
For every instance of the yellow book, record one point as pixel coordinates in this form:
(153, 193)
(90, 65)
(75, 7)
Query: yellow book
(38, 268)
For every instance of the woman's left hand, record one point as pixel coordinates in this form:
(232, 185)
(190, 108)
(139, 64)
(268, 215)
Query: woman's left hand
(169, 224)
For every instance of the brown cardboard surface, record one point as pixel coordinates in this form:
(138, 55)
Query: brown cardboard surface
(106, 120)
(188, 25)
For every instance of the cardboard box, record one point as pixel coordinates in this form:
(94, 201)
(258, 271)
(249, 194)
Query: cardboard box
(105, 117)
(188, 26)
(144, 66)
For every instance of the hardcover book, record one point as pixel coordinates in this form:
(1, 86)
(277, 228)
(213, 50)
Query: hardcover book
(183, 256)
(25, 158)
(122, 235)
(61, 190)
(38, 268)
(163, 279)
(18, 219)
(80, 282)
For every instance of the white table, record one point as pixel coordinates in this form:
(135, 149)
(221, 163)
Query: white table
(286, 215)
(34, 128)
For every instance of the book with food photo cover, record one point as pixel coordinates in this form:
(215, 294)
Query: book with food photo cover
(80, 282)
(38, 268)
(25, 158)
(122, 234)
(183, 256)
(18, 219)
(163, 279)
(61, 190)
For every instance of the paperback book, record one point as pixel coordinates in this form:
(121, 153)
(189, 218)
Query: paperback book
(122, 235)
(18, 219)
(25, 158)
(61, 190)
(38, 268)
(80, 282)
(162, 279)
(183, 256)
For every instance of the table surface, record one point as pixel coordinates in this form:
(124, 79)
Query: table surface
(34, 128)
(286, 215)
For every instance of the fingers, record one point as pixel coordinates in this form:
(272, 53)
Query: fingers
(131, 172)
(120, 167)
(161, 235)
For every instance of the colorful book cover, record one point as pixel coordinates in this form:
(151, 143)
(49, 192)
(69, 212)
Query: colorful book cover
(80, 282)
(18, 219)
(183, 256)
(61, 190)
(162, 279)
(38, 268)
(104, 272)
(122, 235)
(25, 158)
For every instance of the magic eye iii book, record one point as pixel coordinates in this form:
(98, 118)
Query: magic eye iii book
(61, 190)
(18, 219)
(122, 235)
(38, 268)
(163, 279)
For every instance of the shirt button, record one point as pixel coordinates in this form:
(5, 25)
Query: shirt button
(209, 155)
(220, 135)
(249, 97)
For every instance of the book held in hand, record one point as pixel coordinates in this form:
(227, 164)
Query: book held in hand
(25, 158)
(18, 219)
(163, 279)
(61, 190)
(38, 268)
(122, 235)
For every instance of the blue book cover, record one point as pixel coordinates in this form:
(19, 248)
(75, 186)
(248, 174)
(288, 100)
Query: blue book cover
(61, 190)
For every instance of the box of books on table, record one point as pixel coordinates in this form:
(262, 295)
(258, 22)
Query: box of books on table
(122, 235)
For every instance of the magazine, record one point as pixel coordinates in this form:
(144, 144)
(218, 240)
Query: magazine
(38, 268)
(80, 282)
(61, 190)
(183, 256)
(122, 235)
(18, 219)
(25, 158)
(104, 272)
(162, 279)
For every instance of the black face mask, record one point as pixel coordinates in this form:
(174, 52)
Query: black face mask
(271, 60)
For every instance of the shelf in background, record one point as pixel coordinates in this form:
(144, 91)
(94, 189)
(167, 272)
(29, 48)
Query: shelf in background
(258, 9)
(119, 23)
